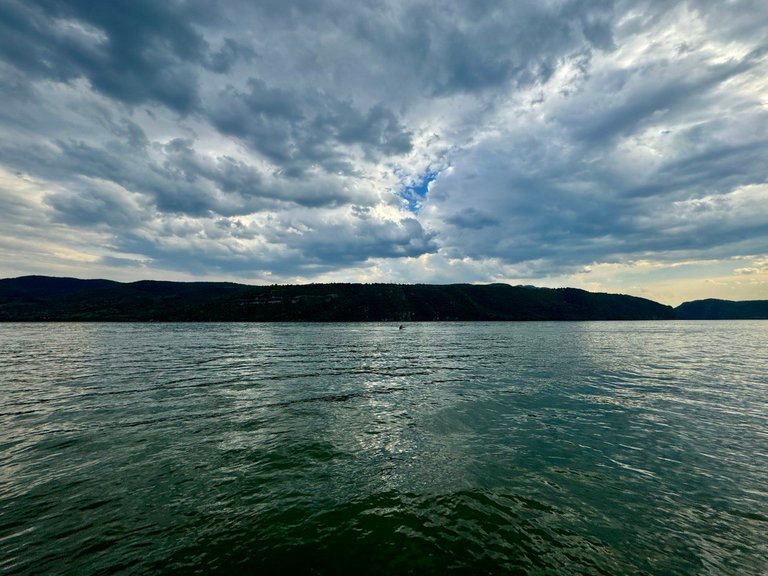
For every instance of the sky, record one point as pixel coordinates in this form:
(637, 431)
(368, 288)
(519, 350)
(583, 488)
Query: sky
(616, 146)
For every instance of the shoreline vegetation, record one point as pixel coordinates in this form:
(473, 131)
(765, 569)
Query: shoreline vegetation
(44, 298)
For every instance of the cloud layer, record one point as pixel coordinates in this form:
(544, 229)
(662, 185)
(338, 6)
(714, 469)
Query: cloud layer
(540, 142)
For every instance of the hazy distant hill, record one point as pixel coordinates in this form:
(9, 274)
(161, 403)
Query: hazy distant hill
(712, 309)
(44, 298)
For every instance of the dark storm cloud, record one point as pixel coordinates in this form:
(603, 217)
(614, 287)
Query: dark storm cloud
(472, 219)
(298, 131)
(133, 51)
(239, 184)
(520, 42)
(172, 176)
(72, 162)
(91, 205)
(465, 47)
(228, 55)
(149, 51)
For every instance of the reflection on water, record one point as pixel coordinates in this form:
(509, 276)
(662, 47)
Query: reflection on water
(595, 448)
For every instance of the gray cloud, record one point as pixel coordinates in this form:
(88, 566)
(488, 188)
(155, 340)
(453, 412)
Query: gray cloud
(247, 138)
(297, 131)
(132, 51)
(300, 244)
(472, 218)
(93, 205)
(651, 92)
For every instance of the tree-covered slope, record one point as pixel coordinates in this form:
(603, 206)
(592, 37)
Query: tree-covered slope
(38, 298)
(713, 309)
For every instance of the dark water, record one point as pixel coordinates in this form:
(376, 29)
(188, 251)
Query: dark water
(541, 448)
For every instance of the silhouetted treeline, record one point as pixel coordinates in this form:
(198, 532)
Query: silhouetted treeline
(712, 309)
(39, 298)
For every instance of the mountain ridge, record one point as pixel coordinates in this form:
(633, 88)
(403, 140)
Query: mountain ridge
(717, 309)
(40, 298)
(46, 298)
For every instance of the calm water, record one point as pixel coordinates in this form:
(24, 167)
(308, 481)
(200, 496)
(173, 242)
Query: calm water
(541, 448)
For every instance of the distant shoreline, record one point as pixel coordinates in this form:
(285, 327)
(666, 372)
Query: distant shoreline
(51, 299)
(309, 321)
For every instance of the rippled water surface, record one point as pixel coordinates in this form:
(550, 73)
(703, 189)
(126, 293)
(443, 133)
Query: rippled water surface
(541, 448)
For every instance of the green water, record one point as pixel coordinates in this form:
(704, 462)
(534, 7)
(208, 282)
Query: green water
(515, 448)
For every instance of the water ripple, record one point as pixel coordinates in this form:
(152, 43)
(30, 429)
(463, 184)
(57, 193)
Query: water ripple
(545, 448)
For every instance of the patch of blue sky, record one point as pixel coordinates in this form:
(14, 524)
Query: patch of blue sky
(414, 194)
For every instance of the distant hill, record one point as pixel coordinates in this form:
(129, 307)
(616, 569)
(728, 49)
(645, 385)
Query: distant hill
(38, 298)
(712, 309)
